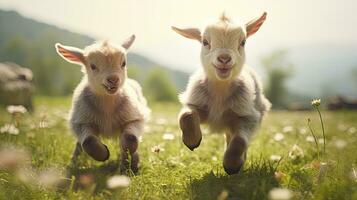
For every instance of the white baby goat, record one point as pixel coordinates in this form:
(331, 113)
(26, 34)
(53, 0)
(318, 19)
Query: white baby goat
(106, 102)
(226, 94)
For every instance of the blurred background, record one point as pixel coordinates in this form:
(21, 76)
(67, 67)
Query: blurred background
(305, 49)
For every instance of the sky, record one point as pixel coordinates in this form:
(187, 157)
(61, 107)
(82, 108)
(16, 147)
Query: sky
(289, 23)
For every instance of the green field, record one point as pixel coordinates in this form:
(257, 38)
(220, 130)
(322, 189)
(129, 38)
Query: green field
(177, 173)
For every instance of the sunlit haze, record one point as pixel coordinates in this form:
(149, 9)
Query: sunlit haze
(289, 23)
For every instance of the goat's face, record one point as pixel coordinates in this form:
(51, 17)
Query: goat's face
(105, 67)
(222, 53)
(104, 64)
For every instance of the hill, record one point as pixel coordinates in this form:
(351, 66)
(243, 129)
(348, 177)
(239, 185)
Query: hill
(30, 43)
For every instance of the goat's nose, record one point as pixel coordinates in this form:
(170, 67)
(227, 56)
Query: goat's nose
(224, 58)
(113, 79)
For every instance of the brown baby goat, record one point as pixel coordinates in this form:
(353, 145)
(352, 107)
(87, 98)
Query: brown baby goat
(106, 103)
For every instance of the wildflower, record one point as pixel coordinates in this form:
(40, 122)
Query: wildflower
(342, 127)
(205, 130)
(279, 175)
(157, 149)
(224, 195)
(340, 144)
(315, 164)
(296, 152)
(43, 124)
(310, 139)
(49, 178)
(118, 181)
(287, 129)
(214, 158)
(316, 102)
(168, 136)
(86, 180)
(280, 194)
(12, 159)
(140, 138)
(147, 128)
(278, 137)
(303, 131)
(16, 109)
(275, 157)
(161, 121)
(10, 129)
(351, 130)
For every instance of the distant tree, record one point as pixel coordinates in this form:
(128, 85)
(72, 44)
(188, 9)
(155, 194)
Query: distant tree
(279, 69)
(52, 75)
(15, 50)
(133, 73)
(159, 87)
(354, 74)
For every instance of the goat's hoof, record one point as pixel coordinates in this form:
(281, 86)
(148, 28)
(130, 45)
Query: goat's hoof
(233, 169)
(193, 147)
(95, 149)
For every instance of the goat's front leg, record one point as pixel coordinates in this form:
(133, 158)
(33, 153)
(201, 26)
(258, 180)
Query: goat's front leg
(129, 143)
(90, 143)
(235, 154)
(189, 120)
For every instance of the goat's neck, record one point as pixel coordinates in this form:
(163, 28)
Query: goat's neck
(107, 102)
(219, 88)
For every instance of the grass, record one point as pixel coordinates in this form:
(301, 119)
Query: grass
(177, 173)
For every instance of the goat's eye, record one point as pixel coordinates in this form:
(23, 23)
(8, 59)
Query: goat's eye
(93, 66)
(205, 43)
(123, 64)
(242, 43)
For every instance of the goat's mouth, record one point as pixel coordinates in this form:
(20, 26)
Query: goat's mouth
(111, 89)
(223, 72)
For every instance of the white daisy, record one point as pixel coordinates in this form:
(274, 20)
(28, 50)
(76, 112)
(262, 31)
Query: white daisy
(118, 181)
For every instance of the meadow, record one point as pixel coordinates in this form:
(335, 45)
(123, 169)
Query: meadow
(283, 155)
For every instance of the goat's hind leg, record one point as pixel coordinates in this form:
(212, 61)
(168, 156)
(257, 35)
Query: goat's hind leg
(129, 143)
(189, 121)
(235, 155)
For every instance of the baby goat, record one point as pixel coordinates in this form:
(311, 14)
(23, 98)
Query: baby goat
(226, 94)
(106, 102)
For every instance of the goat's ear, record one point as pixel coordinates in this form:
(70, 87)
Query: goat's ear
(254, 25)
(71, 54)
(128, 42)
(191, 33)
